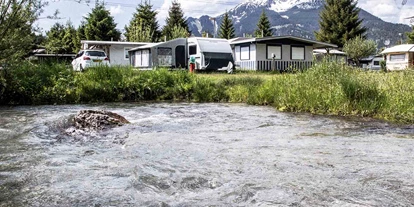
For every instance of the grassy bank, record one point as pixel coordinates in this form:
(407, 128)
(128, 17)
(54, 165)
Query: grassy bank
(328, 88)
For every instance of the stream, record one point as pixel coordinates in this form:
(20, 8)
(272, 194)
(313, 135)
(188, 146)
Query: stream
(187, 154)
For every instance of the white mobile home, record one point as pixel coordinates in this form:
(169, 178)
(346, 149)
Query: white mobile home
(287, 52)
(117, 51)
(209, 53)
(399, 57)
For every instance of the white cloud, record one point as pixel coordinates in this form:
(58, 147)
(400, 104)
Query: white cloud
(116, 10)
(388, 10)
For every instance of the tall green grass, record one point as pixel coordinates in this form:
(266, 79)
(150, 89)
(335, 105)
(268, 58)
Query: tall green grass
(327, 88)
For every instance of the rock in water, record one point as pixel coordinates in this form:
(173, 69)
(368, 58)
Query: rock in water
(98, 119)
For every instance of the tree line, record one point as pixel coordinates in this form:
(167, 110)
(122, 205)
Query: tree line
(339, 22)
(143, 27)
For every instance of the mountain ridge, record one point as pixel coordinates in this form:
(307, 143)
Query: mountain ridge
(295, 17)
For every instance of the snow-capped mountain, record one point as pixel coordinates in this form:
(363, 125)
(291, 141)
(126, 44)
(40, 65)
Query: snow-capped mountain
(291, 17)
(284, 5)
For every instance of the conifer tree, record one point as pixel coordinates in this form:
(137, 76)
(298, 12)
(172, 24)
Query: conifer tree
(263, 26)
(69, 40)
(54, 39)
(61, 39)
(80, 35)
(226, 28)
(143, 27)
(100, 25)
(339, 22)
(175, 19)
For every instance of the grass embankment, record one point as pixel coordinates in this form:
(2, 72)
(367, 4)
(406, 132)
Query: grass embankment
(327, 88)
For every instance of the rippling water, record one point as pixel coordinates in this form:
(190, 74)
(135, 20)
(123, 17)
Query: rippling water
(203, 155)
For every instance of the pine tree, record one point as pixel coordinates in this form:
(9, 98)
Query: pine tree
(143, 27)
(55, 36)
(263, 26)
(226, 28)
(100, 25)
(80, 35)
(61, 39)
(69, 39)
(175, 19)
(339, 22)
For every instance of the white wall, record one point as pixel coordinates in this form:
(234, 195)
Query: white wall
(398, 65)
(117, 55)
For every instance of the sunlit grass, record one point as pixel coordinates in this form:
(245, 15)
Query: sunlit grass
(327, 88)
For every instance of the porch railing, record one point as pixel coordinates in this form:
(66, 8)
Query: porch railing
(267, 65)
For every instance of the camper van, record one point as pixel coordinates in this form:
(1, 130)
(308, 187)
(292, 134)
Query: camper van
(209, 54)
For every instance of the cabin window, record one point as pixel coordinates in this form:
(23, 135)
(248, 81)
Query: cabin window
(138, 58)
(297, 53)
(376, 63)
(164, 56)
(193, 50)
(397, 57)
(276, 50)
(145, 58)
(126, 54)
(244, 52)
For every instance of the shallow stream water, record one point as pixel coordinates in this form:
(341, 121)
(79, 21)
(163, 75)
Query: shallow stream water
(203, 155)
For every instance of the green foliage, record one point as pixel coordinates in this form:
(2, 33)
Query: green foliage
(339, 22)
(143, 27)
(263, 26)
(80, 35)
(29, 83)
(327, 88)
(383, 65)
(410, 36)
(54, 38)
(226, 28)
(175, 19)
(359, 47)
(100, 25)
(16, 31)
(61, 39)
(178, 32)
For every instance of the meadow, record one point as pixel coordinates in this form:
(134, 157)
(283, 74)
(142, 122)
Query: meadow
(327, 88)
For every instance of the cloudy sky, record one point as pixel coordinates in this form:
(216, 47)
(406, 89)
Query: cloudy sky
(122, 10)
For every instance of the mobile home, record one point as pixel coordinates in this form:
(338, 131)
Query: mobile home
(399, 57)
(281, 52)
(117, 51)
(209, 53)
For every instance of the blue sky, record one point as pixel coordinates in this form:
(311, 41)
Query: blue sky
(122, 10)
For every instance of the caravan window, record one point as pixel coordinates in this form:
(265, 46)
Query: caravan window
(376, 63)
(397, 57)
(164, 56)
(192, 50)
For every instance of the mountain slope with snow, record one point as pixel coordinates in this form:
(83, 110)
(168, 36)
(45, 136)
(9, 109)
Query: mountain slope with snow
(292, 17)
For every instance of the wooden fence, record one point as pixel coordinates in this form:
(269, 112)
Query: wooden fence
(269, 65)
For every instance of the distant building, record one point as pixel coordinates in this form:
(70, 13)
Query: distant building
(287, 52)
(117, 51)
(399, 57)
(209, 54)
